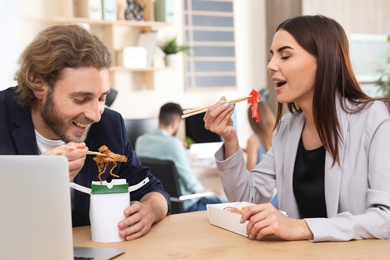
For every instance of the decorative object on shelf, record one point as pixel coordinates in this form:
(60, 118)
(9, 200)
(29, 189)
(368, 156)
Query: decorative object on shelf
(148, 40)
(164, 11)
(171, 47)
(133, 57)
(109, 10)
(121, 6)
(91, 9)
(134, 10)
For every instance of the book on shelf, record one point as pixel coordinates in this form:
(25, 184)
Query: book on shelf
(148, 40)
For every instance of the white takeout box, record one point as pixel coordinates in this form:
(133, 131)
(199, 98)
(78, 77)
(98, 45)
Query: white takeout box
(107, 208)
(226, 219)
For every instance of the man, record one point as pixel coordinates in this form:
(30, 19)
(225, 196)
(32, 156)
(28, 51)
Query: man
(59, 106)
(162, 144)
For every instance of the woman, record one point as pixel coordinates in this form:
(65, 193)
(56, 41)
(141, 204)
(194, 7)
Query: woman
(329, 155)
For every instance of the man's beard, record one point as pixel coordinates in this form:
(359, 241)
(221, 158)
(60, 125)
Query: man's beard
(55, 122)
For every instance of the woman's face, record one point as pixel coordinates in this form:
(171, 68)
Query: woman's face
(292, 70)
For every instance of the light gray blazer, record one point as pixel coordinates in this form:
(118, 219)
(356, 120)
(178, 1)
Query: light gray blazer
(357, 192)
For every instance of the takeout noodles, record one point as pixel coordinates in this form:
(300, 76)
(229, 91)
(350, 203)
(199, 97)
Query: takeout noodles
(105, 158)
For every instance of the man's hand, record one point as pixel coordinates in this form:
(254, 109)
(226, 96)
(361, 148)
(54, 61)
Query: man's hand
(75, 153)
(141, 215)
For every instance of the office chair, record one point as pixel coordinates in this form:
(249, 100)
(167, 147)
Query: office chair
(110, 98)
(166, 172)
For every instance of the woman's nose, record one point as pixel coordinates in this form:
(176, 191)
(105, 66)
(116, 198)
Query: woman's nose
(272, 66)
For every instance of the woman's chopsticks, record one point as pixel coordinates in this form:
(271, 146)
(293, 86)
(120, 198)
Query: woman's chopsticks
(199, 110)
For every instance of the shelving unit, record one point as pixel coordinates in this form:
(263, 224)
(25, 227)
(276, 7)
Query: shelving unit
(116, 35)
(143, 25)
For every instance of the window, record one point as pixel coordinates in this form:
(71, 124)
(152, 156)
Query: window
(209, 31)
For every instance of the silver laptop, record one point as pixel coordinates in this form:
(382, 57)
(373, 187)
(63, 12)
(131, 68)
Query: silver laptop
(35, 208)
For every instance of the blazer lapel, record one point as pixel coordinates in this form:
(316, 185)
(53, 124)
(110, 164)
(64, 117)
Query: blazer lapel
(22, 130)
(288, 202)
(332, 185)
(333, 173)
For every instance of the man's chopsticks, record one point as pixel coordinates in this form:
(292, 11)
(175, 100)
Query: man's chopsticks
(96, 153)
(199, 110)
(59, 152)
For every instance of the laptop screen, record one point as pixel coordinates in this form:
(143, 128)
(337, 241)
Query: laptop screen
(35, 208)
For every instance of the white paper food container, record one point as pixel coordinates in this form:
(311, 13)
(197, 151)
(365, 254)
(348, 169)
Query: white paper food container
(106, 211)
(227, 220)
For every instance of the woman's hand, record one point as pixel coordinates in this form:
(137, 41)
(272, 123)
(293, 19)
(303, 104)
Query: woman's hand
(265, 219)
(218, 118)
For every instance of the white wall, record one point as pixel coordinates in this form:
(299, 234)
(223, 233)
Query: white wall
(9, 43)
(356, 16)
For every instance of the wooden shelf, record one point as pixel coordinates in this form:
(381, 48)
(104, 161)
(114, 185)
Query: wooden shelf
(113, 34)
(118, 68)
(138, 24)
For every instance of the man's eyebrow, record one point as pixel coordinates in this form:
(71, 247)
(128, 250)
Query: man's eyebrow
(85, 93)
(282, 49)
(80, 93)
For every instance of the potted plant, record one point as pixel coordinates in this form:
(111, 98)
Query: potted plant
(384, 80)
(171, 47)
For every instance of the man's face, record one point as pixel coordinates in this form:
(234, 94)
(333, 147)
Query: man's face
(76, 102)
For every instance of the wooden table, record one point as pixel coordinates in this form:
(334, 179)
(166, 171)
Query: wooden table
(190, 236)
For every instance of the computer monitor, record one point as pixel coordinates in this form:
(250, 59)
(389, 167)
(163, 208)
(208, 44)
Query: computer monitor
(139, 126)
(196, 131)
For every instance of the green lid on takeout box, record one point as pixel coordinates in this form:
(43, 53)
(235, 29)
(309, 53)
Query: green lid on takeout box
(109, 188)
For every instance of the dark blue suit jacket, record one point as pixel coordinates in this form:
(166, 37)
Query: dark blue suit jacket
(17, 136)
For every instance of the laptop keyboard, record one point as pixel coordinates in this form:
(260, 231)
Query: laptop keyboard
(83, 258)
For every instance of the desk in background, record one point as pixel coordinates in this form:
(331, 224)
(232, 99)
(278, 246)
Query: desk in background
(190, 236)
(201, 157)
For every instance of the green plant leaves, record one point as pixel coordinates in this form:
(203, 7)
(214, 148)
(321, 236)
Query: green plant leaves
(171, 46)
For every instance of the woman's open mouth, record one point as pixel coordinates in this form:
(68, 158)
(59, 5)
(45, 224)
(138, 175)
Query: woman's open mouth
(280, 83)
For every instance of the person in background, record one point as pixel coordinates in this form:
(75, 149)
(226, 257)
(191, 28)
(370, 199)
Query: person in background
(163, 144)
(261, 139)
(329, 155)
(58, 106)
